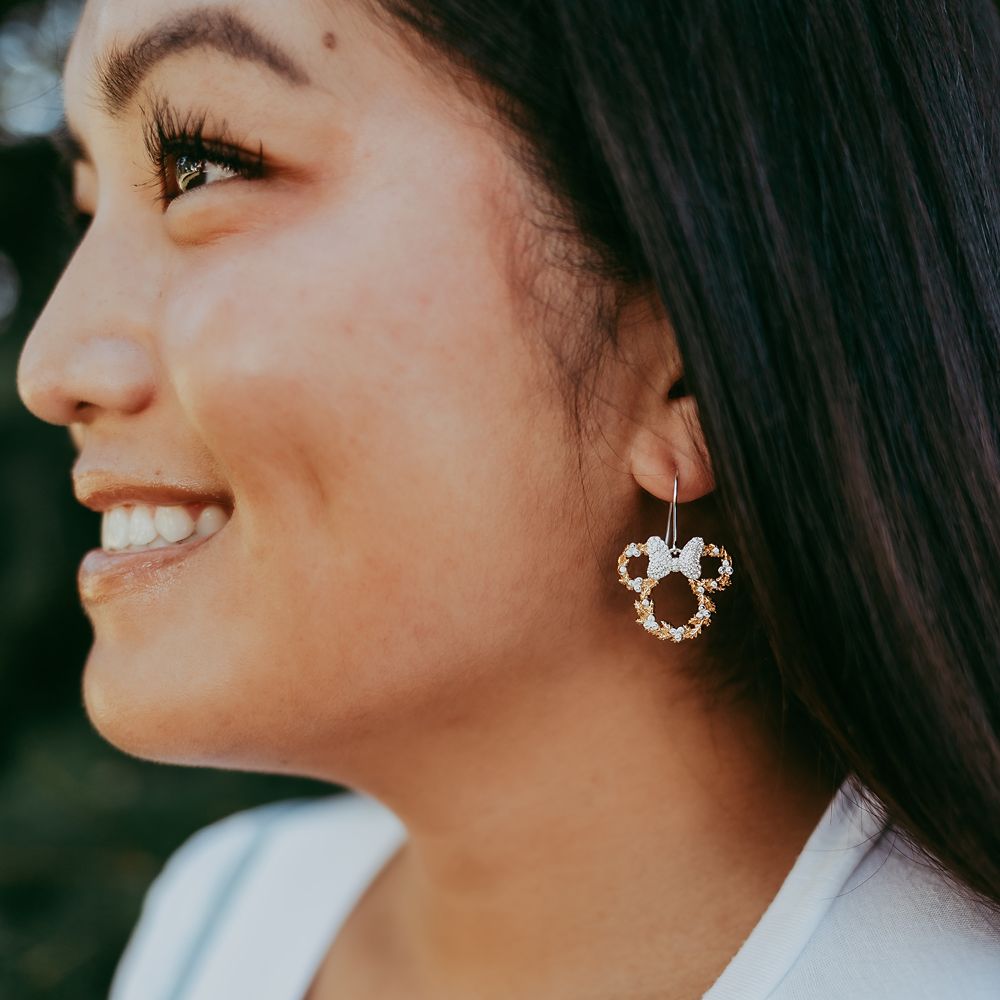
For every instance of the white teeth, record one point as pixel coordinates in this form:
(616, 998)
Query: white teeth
(141, 530)
(143, 526)
(173, 523)
(115, 528)
(211, 519)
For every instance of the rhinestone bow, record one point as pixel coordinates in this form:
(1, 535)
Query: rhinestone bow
(662, 561)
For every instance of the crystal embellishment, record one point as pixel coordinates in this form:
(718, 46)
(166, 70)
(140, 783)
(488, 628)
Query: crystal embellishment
(662, 561)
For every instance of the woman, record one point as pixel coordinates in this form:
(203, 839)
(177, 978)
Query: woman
(402, 336)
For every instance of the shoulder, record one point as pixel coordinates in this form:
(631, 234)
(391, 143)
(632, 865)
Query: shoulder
(206, 878)
(899, 928)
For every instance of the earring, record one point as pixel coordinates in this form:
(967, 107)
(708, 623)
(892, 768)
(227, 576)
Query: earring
(663, 560)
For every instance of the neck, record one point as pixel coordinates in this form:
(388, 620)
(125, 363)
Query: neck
(599, 831)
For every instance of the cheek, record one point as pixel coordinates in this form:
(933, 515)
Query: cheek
(394, 449)
(354, 367)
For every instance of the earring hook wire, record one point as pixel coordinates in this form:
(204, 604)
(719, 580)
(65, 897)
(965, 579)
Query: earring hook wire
(673, 515)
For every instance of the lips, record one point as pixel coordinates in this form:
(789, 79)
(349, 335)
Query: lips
(101, 494)
(103, 573)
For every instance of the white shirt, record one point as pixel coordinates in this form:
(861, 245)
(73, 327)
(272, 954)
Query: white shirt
(247, 907)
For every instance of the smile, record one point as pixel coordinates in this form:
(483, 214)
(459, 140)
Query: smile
(142, 545)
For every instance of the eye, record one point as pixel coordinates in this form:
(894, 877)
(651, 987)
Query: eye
(189, 172)
(189, 160)
(183, 156)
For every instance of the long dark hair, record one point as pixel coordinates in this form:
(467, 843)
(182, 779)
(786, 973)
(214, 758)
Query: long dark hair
(812, 190)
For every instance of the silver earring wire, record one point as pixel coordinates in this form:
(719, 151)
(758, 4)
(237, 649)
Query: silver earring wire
(673, 516)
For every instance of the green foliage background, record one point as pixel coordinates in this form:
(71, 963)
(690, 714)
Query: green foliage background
(83, 827)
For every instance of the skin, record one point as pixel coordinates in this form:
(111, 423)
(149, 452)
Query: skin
(416, 596)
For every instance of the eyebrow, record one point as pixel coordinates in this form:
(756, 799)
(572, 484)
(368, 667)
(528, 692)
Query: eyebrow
(121, 69)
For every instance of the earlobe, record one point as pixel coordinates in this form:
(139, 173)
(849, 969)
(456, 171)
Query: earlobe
(672, 445)
(665, 428)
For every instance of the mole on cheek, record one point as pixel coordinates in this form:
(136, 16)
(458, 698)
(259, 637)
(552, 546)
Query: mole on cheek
(330, 40)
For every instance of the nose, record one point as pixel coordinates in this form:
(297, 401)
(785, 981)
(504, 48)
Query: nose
(69, 380)
(89, 350)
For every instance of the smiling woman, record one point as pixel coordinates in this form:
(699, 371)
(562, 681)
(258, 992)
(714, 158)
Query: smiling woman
(397, 334)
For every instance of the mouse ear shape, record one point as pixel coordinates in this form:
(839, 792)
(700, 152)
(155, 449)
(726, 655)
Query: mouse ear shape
(690, 558)
(660, 559)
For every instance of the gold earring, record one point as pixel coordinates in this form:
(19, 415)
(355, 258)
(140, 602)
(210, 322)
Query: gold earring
(665, 559)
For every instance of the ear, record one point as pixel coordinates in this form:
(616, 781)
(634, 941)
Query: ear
(669, 442)
(667, 436)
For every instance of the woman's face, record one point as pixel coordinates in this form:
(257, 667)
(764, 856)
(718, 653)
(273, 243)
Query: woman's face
(335, 347)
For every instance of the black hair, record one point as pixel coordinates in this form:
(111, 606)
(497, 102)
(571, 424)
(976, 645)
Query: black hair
(811, 190)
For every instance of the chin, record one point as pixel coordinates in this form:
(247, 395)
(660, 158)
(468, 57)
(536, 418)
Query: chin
(116, 717)
(145, 720)
(170, 718)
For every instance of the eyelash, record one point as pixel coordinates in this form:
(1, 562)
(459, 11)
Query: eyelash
(165, 133)
(169, 134)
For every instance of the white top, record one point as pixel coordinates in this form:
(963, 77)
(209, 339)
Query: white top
(247, 907)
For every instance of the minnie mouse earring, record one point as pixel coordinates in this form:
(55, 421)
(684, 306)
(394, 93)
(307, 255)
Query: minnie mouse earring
(663, 560)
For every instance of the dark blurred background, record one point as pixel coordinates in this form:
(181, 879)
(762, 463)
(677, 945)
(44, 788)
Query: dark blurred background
(84, 828)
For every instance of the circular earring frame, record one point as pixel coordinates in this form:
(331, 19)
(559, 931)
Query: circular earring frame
(665, 559)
